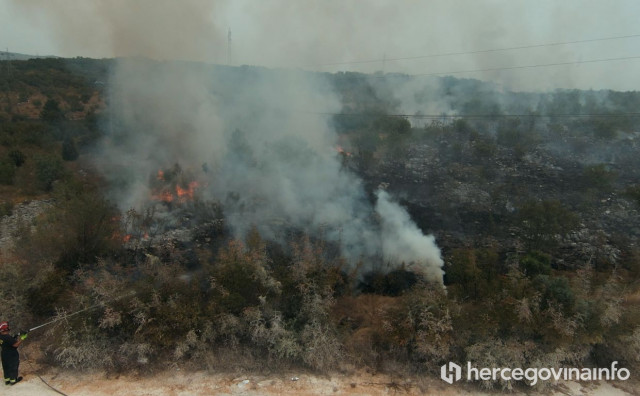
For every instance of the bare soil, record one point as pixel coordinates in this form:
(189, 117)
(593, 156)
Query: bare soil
(180, 383)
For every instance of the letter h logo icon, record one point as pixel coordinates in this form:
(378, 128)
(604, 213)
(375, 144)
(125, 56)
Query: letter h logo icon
(451, 373)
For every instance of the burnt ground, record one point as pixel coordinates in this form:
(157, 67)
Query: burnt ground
(468, 192)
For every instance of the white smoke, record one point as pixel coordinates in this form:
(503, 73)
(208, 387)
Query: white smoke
(403, 241)
(256, 139)
(270, 155)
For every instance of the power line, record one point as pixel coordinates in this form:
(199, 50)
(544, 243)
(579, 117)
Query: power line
(526, 66)
(476, 51)
(515, 67)
(471, 116)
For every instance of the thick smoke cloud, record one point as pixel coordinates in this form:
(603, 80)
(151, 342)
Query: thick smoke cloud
(255, 140)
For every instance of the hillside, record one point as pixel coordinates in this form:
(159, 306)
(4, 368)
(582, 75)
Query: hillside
(275, 249)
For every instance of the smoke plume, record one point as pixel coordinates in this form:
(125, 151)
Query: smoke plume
(258, 143)
(255, 139)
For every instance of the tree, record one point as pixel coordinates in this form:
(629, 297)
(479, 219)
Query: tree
(80, 227)
(17, 157)
(51, 111)
(69, 150)
(87, 224)
(7, 172)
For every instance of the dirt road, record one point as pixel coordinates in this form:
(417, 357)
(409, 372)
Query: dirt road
(178, 383)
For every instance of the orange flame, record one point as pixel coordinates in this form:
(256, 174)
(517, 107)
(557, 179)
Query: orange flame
(126, 238)
(164, 196)
(186, 194)
(342, 151)
(167, 193)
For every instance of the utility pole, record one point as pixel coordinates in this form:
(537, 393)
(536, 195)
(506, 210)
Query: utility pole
(384, 61)
(7, 57)
(7, 75)
(111, 106)
(229, 47)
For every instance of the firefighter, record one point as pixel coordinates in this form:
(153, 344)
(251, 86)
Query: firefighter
(10, 355)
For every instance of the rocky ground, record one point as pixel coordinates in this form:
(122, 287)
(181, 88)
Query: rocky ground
(22, 215)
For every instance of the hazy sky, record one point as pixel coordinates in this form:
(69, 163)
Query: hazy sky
(318, 34)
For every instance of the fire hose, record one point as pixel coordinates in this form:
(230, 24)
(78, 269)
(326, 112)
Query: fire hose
(66, 317)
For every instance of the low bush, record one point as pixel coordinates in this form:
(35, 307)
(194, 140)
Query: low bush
(49, 168)
(7, 172)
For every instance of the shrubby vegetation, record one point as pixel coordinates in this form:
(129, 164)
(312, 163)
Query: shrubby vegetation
(513, 296)
(252, 301)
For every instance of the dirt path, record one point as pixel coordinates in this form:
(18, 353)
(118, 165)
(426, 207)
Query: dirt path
(200, 384)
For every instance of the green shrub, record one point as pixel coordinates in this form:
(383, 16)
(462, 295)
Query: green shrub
(48, 169)
(555, 289)
(17, 157)
(535, 263)
(245, 275)
(69, 150)
(51, 111)
(7, 172)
